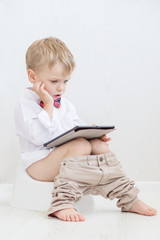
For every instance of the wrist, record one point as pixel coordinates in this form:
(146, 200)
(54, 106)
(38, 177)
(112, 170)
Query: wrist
(49, 109)
(48, 101)
(48, 104)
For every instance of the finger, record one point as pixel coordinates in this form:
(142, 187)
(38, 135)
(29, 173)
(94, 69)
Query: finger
(107, 139)
(104, 137)
(42, 86)
(42, 90)
(36, 86)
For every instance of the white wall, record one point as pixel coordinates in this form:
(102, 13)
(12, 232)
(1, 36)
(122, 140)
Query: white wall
(116, 45)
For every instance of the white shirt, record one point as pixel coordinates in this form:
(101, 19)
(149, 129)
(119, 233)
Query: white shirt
(34, 126)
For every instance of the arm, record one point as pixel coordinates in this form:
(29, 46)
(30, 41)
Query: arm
(47, 99)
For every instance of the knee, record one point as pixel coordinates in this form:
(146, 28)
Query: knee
(99, 147)
(83, 146)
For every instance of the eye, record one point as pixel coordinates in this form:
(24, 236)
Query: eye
(66, 81)
(53, 81)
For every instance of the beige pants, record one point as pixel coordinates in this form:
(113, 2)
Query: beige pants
(92, 174)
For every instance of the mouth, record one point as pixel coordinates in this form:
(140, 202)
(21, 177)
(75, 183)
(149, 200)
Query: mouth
(57, 96)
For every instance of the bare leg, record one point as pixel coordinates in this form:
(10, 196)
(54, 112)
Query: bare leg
(47, 168)
(99, 147)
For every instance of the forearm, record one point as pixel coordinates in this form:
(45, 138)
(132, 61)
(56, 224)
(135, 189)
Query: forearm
(45, 97)
(49, 109)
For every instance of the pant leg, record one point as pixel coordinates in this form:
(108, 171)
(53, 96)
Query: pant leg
(96, 174)
(115, 183)
(75, 179)
(64, 195)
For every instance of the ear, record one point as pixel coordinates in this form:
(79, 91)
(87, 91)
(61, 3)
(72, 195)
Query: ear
(31, 75)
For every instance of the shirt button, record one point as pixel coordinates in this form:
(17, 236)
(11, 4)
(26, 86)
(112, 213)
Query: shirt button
(101, 159)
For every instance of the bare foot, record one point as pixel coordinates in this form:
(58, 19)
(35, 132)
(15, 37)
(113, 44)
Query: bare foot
(69, 214)
(143, 209)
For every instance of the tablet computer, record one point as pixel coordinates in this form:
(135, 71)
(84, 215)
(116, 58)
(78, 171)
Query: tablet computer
(87, 132)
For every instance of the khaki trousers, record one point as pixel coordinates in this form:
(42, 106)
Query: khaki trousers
(92, 174)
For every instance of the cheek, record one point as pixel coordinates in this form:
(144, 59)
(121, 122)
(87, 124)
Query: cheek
(49, 88)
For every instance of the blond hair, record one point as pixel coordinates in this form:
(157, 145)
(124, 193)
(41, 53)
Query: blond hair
(49, 51)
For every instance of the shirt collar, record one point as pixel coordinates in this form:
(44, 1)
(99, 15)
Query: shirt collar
(29, 93)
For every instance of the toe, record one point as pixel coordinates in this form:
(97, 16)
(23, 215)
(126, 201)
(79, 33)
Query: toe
(68, 218)
(72, 217)
(77, 218)
(153, 211)
(81, 218)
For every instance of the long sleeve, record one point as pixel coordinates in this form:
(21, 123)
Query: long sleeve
(36, 128)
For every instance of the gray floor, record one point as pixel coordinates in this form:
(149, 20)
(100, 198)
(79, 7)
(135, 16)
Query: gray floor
(105, 221)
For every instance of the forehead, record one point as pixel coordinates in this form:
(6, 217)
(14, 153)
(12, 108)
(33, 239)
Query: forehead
(57, 71)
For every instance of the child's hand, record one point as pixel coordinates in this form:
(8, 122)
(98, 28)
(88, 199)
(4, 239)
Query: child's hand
(104, 138)
(38, 87)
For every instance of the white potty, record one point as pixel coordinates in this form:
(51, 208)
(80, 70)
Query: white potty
(31, 194)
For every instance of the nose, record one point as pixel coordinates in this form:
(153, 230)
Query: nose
(60, 87)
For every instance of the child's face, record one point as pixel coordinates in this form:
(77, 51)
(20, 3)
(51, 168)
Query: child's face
(54, 79)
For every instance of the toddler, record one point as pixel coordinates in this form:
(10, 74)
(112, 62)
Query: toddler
(77, 167)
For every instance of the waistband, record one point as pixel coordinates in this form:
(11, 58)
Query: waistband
(108, 158)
